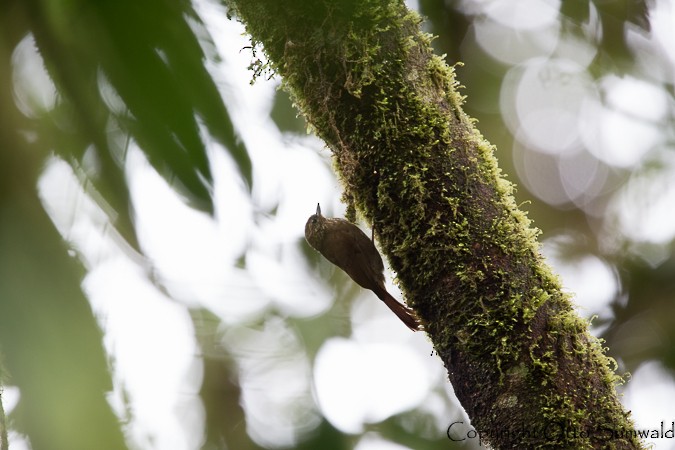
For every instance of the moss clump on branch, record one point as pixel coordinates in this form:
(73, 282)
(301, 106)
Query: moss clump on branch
(466, 257)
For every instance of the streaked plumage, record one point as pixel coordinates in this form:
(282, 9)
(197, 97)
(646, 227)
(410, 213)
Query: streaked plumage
(345, 245)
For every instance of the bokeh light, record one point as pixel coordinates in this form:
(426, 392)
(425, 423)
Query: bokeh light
(585, 134)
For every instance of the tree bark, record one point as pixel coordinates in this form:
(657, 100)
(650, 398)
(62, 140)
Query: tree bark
(521, 361)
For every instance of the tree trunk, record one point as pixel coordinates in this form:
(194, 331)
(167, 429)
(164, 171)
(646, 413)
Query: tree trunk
(521, 361)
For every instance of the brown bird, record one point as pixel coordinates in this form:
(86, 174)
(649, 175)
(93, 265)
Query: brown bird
(345, 245)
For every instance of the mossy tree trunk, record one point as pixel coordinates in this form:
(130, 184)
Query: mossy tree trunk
(521, 362)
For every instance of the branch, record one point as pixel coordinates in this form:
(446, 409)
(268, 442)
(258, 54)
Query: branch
(521, 361)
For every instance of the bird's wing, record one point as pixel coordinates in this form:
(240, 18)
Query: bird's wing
(355, 253)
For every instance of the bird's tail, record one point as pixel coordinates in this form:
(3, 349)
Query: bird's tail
(407, 315)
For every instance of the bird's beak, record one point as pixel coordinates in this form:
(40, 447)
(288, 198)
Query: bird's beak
(318, 209)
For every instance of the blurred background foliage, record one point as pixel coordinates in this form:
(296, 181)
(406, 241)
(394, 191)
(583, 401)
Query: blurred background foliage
(577, 96)
(604, 191)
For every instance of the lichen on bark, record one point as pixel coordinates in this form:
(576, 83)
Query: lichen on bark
(467, 259)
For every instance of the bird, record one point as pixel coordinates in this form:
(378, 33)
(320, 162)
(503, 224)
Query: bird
(345, 245)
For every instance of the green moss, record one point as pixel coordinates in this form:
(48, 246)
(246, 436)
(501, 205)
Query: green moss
(413, 163)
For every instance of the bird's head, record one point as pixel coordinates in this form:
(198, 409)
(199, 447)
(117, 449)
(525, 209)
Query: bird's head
(315, 228)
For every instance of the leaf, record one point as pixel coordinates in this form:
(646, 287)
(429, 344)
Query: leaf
(150, 54)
